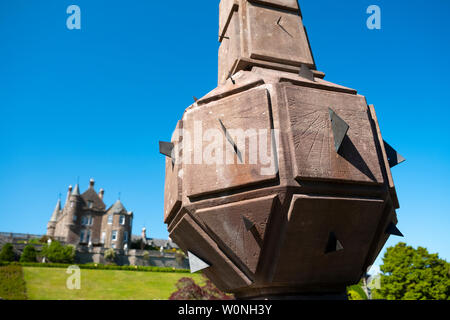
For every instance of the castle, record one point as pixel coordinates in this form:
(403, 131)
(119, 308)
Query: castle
(85, 220)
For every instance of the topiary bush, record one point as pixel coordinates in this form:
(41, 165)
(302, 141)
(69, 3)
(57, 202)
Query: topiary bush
(110, 255)
(28, 254)
(7, 253)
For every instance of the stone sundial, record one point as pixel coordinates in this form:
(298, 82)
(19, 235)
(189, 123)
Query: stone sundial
(310, 215)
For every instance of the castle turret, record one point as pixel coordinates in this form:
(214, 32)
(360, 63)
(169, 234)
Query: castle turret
(117, 223)
(51, 226)
(73, 208)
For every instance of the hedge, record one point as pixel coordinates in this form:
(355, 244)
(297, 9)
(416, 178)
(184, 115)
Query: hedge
(12, 284)
(96, 267)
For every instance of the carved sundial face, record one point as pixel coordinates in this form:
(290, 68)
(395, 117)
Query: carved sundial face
(315, 156)
(250, 115)
(277, 36)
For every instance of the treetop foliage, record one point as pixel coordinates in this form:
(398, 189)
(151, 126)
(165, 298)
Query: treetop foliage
(414, 274)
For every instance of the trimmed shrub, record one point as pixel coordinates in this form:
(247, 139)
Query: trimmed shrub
(28, 254)
(110, 255)
(12, 284)
(7, 253)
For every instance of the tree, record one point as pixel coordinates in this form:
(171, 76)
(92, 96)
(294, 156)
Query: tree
(28, 254)
(57, 253)
(414, 274)
(45, 238)
(7, 253)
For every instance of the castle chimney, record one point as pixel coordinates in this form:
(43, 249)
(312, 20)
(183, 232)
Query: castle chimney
(91, 183)
(101, 193)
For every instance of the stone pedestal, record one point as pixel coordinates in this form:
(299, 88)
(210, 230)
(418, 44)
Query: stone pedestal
(261, 184)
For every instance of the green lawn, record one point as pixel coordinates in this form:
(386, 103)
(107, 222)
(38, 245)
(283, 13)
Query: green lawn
(50, 284)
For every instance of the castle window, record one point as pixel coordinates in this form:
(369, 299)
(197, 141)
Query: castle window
(110, 219)
(103, 237)
(88, 237)
(72, 204)
(82, 234)
(90, 204)
(113, 246)
(125, 236)
(114, 235)
(122, 220)
(86, 221)
(74, 218)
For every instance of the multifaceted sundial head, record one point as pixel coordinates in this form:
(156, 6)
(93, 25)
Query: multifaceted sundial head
(278, 182)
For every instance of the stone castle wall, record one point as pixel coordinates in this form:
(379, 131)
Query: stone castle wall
(131, 257)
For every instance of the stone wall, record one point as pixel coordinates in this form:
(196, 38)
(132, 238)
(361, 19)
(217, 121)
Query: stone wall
(132, 257)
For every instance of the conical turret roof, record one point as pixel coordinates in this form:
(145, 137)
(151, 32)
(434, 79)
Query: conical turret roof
(76, 191)
(117, 208)
(56, 212)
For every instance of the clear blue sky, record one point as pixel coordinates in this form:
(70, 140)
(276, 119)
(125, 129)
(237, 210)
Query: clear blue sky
(95, 102)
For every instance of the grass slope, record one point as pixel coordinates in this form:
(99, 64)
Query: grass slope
(50, 284)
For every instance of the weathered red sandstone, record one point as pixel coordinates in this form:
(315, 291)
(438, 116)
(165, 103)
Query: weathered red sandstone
(318, 220)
